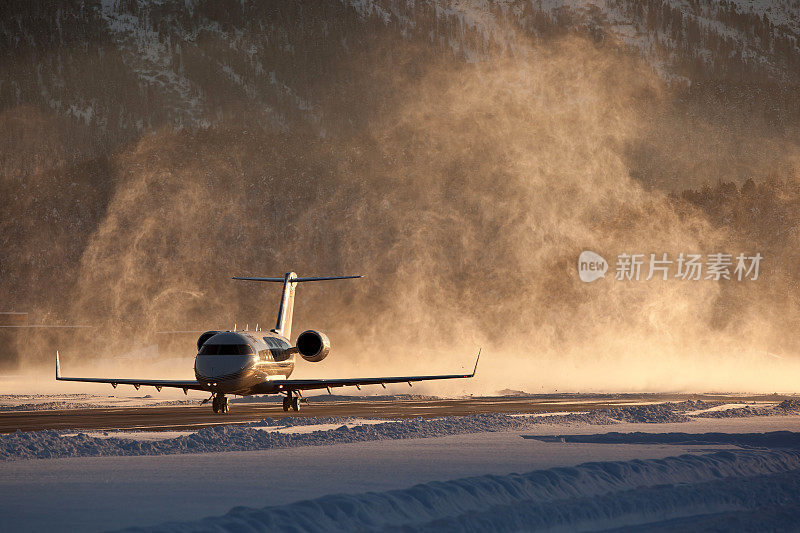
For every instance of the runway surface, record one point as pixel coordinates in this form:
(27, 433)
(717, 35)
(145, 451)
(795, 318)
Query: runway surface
(191, 417)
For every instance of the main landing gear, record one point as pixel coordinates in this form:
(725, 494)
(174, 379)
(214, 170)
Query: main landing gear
(219, 403)
(291, 401)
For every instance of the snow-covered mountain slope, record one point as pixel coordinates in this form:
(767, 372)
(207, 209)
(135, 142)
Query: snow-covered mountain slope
(124, 66)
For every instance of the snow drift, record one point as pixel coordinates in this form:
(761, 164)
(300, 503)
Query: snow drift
(247, 437)
(597, 495)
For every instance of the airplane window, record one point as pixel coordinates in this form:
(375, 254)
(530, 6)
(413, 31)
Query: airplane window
(209, 349)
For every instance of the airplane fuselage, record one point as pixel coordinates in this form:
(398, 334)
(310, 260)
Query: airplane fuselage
(243, 362)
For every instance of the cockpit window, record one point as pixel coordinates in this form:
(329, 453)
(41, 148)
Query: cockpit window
(226, 349)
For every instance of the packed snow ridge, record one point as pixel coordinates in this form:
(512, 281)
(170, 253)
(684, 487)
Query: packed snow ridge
(786, 406)
(592, 495)
(247, 437)
(252, 436)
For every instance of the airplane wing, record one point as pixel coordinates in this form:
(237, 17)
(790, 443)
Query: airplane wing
(157, 383)
(310, 384)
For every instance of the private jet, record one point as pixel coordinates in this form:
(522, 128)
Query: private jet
(244, 363)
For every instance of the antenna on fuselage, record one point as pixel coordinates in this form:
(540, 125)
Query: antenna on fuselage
(283, 325)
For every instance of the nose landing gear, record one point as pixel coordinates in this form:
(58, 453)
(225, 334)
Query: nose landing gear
(219, 404)
(291, 401)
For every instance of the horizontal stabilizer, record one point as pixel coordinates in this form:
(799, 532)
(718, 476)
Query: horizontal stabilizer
(295, 280)
(283, 325)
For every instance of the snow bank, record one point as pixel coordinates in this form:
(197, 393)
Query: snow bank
(786, 407)
(246, 437)
(596, 495)
(667, 412)
(154, 435)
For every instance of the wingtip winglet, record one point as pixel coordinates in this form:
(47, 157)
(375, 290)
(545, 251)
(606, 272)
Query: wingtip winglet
(58, 367)
(477, 359)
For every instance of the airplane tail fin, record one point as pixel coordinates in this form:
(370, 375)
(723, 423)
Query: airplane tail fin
(283, 325)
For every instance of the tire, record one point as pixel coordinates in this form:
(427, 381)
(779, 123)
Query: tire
(215, 405)
(286, 404)
(295, 403)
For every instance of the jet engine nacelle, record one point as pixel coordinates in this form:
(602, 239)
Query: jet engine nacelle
(204, 337)
(313, 346)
